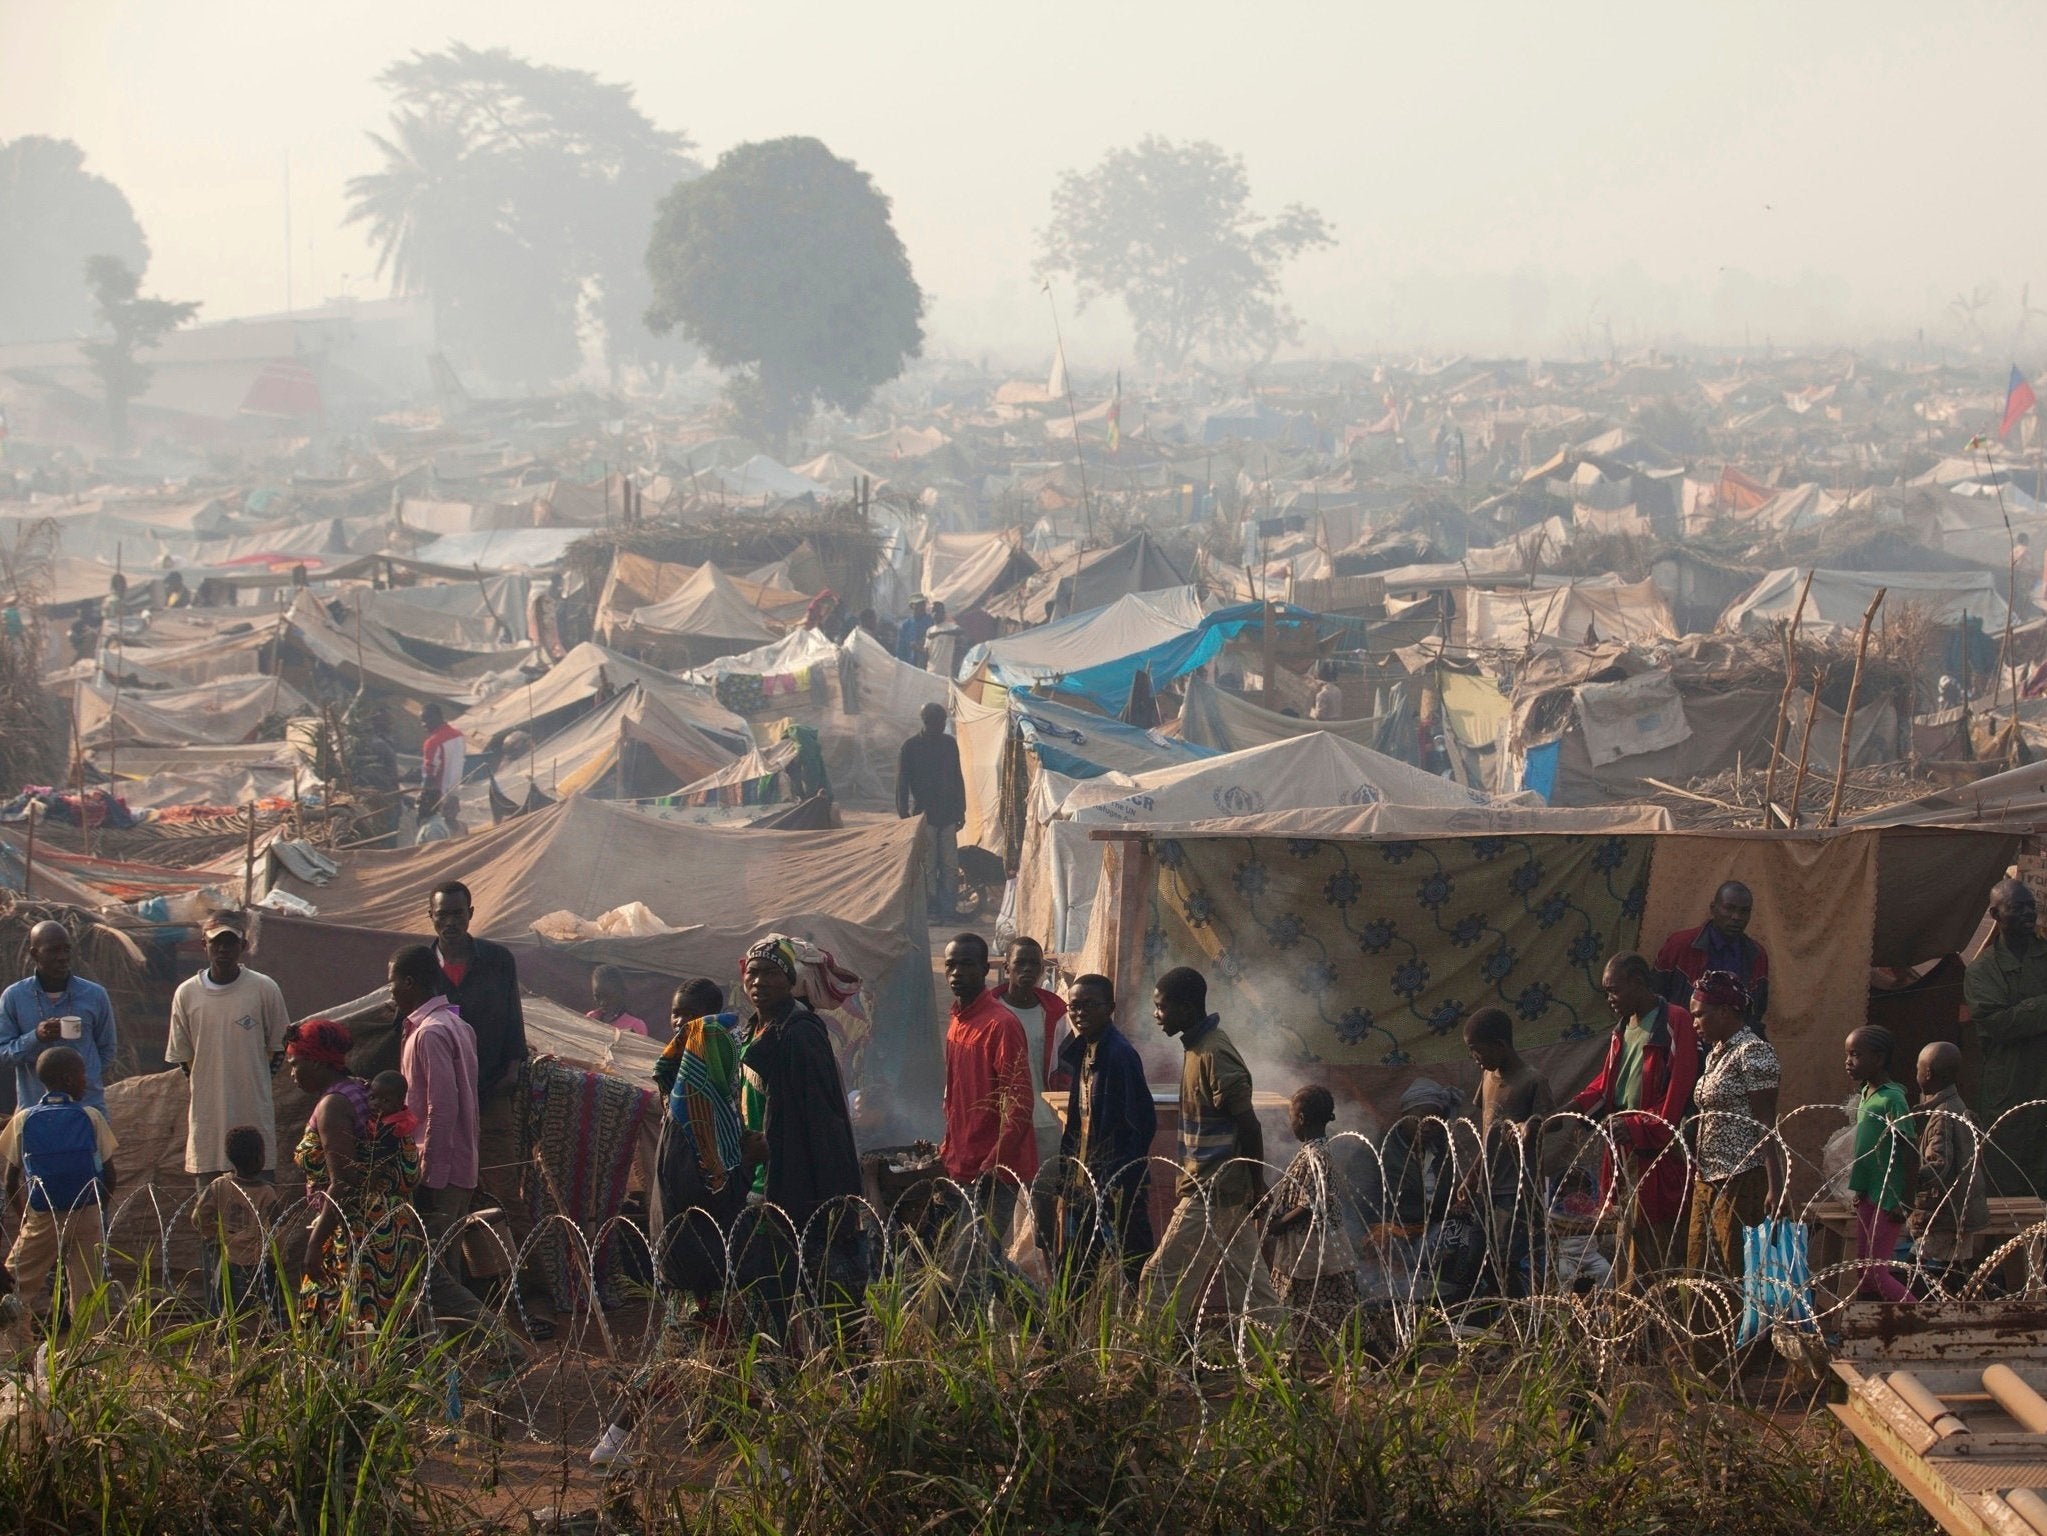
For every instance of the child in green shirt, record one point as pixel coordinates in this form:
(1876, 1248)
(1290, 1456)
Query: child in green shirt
(1882, 1178)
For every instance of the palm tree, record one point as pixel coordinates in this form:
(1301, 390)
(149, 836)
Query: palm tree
(421, 206)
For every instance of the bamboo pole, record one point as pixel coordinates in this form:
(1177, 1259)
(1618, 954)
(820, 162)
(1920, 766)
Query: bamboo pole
(1812, 708)
(249, 862)
(1784, 702)
(28, 872)
(1848, 714)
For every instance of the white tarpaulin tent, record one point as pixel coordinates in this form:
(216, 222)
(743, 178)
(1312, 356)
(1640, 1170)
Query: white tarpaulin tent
(590, 671)
(1133, 623)
(1307, 771)
(861, 700)
(705, 607)
(1569, 609)
(1840, 598)
(1635, 715)
(761, 476)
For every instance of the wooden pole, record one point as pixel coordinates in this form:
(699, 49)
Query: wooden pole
(78, 756)
(1784, 702)
(249, 861)
(1812, 708)
(28, 871)
(1848, 714)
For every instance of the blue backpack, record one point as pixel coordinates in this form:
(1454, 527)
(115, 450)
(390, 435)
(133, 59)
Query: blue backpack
(60, 1156)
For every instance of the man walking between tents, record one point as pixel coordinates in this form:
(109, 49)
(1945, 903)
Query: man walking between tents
(1212, 1230)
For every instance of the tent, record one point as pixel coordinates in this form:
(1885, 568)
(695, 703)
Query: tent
(600, 752)
(761, 478)
(1061, 867)
(857, 892)
(1106, 684)
(1840, 598)
(1129, 625)
(964, 570)
(839, 474)
(1569, 609)
(590, 671)
(220, 712)
(859, 698)
(366, 649)
(709, 611)
(640, 581)
(1223, 721)
(1088, 579)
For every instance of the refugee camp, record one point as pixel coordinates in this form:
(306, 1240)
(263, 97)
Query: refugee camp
(1154, 770)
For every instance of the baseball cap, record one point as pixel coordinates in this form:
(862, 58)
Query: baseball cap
(225, 922)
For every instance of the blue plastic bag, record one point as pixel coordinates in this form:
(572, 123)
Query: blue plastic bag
(1776, 1278)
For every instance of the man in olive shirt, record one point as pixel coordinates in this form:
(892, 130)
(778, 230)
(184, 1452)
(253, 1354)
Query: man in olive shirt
(1222, 1170)
(2006, 993)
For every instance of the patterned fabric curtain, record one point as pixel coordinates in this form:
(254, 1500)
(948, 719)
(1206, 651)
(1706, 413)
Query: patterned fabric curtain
(1373, 953)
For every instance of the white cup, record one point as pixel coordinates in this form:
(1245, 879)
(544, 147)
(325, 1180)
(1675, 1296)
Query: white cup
(73, 1026)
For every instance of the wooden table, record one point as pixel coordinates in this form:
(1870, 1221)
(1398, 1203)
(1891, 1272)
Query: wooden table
(1832, 1223)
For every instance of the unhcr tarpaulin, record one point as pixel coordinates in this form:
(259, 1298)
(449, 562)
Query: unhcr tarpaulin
(1126, 627)
(367, 650)
(962, 570)
(1840, 598)
(1375, 952)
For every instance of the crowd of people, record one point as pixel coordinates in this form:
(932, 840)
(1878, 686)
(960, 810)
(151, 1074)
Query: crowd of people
(414, 1176)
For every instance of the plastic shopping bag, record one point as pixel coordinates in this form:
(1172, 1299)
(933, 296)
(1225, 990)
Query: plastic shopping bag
(1776, 1278)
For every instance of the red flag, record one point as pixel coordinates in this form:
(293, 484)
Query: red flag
(2018, 399)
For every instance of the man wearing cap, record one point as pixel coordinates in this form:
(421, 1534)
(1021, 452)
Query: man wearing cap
(33, 1011)
(227, 1034)
(910, 635)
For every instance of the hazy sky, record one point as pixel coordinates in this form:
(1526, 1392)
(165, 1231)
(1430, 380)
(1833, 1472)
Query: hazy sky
(1862, 163)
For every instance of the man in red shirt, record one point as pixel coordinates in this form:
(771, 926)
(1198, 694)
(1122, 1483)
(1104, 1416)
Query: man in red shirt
(1721, 943)
(440, 769)
(989, 1145)
(1641, 1093)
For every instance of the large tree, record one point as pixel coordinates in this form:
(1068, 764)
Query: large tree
(782, 265)
(517, 196)
(54, 213)
(1168, 228)
(131, 324)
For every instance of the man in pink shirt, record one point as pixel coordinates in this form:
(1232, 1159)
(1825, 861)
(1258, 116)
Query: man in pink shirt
(989, 1145)
(437, 1054)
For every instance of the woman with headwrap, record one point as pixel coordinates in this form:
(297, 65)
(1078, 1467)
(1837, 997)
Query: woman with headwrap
(1738, 1167)
(813, 1166)
(361, 1250)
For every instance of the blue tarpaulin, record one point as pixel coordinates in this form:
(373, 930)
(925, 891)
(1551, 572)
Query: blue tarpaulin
(1107, 686)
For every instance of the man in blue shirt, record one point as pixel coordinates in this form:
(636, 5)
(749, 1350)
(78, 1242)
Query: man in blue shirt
(32, 1014)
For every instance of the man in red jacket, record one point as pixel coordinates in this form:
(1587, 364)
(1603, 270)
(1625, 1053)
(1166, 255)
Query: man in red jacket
(1640, 1094)
(1721, 943)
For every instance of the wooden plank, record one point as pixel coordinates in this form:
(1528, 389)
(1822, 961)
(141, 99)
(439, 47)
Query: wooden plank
(1957, 1515)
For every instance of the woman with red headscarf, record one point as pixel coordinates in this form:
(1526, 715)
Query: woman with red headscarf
(363, 1246)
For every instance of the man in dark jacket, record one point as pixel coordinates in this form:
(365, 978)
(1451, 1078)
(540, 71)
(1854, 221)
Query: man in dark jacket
(806, 1142)
(482, 980)
(929, 783)
(1103, 1172)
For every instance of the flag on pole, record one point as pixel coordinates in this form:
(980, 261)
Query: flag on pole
(2018, 399)
(1116, 414)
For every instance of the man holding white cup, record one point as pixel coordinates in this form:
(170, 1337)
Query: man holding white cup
(53, 1006)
